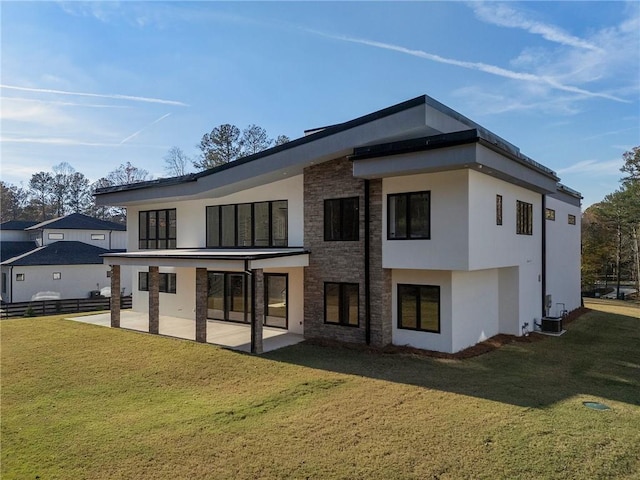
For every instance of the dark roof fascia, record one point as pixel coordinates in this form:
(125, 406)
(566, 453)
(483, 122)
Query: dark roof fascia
(446, 140)
(569, 191)
(209, 257)
(331, 130)
(415, 145)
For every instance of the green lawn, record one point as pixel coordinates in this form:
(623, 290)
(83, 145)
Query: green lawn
(80, 401)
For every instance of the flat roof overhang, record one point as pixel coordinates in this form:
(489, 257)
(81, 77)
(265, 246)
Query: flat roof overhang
(214, 259)
(454, 151)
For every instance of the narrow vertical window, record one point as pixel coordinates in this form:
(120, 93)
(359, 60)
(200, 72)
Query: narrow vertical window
(571, 219)
(524, 218)
(279, 226)
(213, 226)
(498, 209)
(4, 282)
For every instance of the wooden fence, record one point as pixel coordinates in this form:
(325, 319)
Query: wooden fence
(55, 307)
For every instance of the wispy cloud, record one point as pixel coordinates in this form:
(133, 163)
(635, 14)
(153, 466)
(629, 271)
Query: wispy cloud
(96, 95)
(505, 16)
(69, 142)
(135, 134)
(60, 103)
(594, 167)
(478, 66)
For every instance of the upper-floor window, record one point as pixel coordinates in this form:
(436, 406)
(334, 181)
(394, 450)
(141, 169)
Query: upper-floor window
(57, 275)
(260, 224)
(550, 214)
(55, 236)
(571, 219)
(341, 219)
(157, 229)
(498, 209)
(409, 215)
(524, 218)
(97, 236)
(19, 277)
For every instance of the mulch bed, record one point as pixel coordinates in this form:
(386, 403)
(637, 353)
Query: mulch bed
(481, 348)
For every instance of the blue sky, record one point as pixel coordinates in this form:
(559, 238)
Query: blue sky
(99, 84)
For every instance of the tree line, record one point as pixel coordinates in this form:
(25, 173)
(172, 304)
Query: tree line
(611, 230)
(64, 190)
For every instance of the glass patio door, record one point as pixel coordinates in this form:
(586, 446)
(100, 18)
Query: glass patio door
(229, 296)
(275, 296)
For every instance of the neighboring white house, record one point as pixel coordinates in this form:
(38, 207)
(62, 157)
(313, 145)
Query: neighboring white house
(62, 257)
(412, 225)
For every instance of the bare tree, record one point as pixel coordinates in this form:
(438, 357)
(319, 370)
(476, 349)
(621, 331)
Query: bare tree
(282, 139)
(59, 187)
(78, 199)
(126, 174)
(13, 200)
(176, 162)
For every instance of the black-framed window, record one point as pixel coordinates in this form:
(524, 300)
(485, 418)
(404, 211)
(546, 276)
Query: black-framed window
(341, 303)
(157, 229)
(57, 275)
(524, 218)
(342, 219)
(498, 209)
(409, 216)
(419, 307)
(276, 298)
(55, 236)
(550, 214)
(260, 224)
(19, 277)
(167, 282)
(571, 219)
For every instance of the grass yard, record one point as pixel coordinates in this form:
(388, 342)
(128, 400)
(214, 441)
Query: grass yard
(81, 401)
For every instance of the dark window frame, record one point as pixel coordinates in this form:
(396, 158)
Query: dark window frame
(164, 282)
(343, 320)
(408, 235)
(418, 307)
(266, 298)
(145, 242)
(220, 232)
(524, 218)
(99, 236)
(56, 275)
(550, 214)
(571, 219)
(498, 209)
(344, 233)
(20, 277)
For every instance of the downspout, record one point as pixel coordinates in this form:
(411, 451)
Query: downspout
(110, 232)
(367, 269)
(544, 256)
(11, 285)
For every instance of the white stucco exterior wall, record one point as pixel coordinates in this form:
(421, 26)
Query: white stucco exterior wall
(448, 247)
(76, 280)
(475, 307)
(113, 239)
(442, 341)
(563, 256)
(191, 215)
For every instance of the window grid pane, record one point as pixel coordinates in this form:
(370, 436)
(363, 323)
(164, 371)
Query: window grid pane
(419, 215)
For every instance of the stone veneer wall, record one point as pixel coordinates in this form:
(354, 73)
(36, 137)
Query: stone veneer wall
(343, 261)
(380, 278)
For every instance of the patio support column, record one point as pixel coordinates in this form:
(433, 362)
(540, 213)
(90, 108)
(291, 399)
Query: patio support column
(201, 305)
(154, 300)
(115, 296)
(257, 309)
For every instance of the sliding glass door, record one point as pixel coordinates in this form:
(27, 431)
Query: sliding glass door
(275, 300)
(229, 297)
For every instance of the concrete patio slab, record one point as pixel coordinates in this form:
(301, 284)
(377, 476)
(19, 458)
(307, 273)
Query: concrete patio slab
(235, 336)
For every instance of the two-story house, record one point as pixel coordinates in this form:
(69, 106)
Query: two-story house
(58, 258)
(411, 225)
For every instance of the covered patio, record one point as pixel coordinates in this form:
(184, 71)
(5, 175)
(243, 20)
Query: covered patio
(234, 336)
(248, 263)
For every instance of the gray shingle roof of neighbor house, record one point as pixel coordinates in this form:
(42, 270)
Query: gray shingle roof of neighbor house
(61, 253)
(17, 224)
(420, 119)
(9, 250)
(78, 221)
